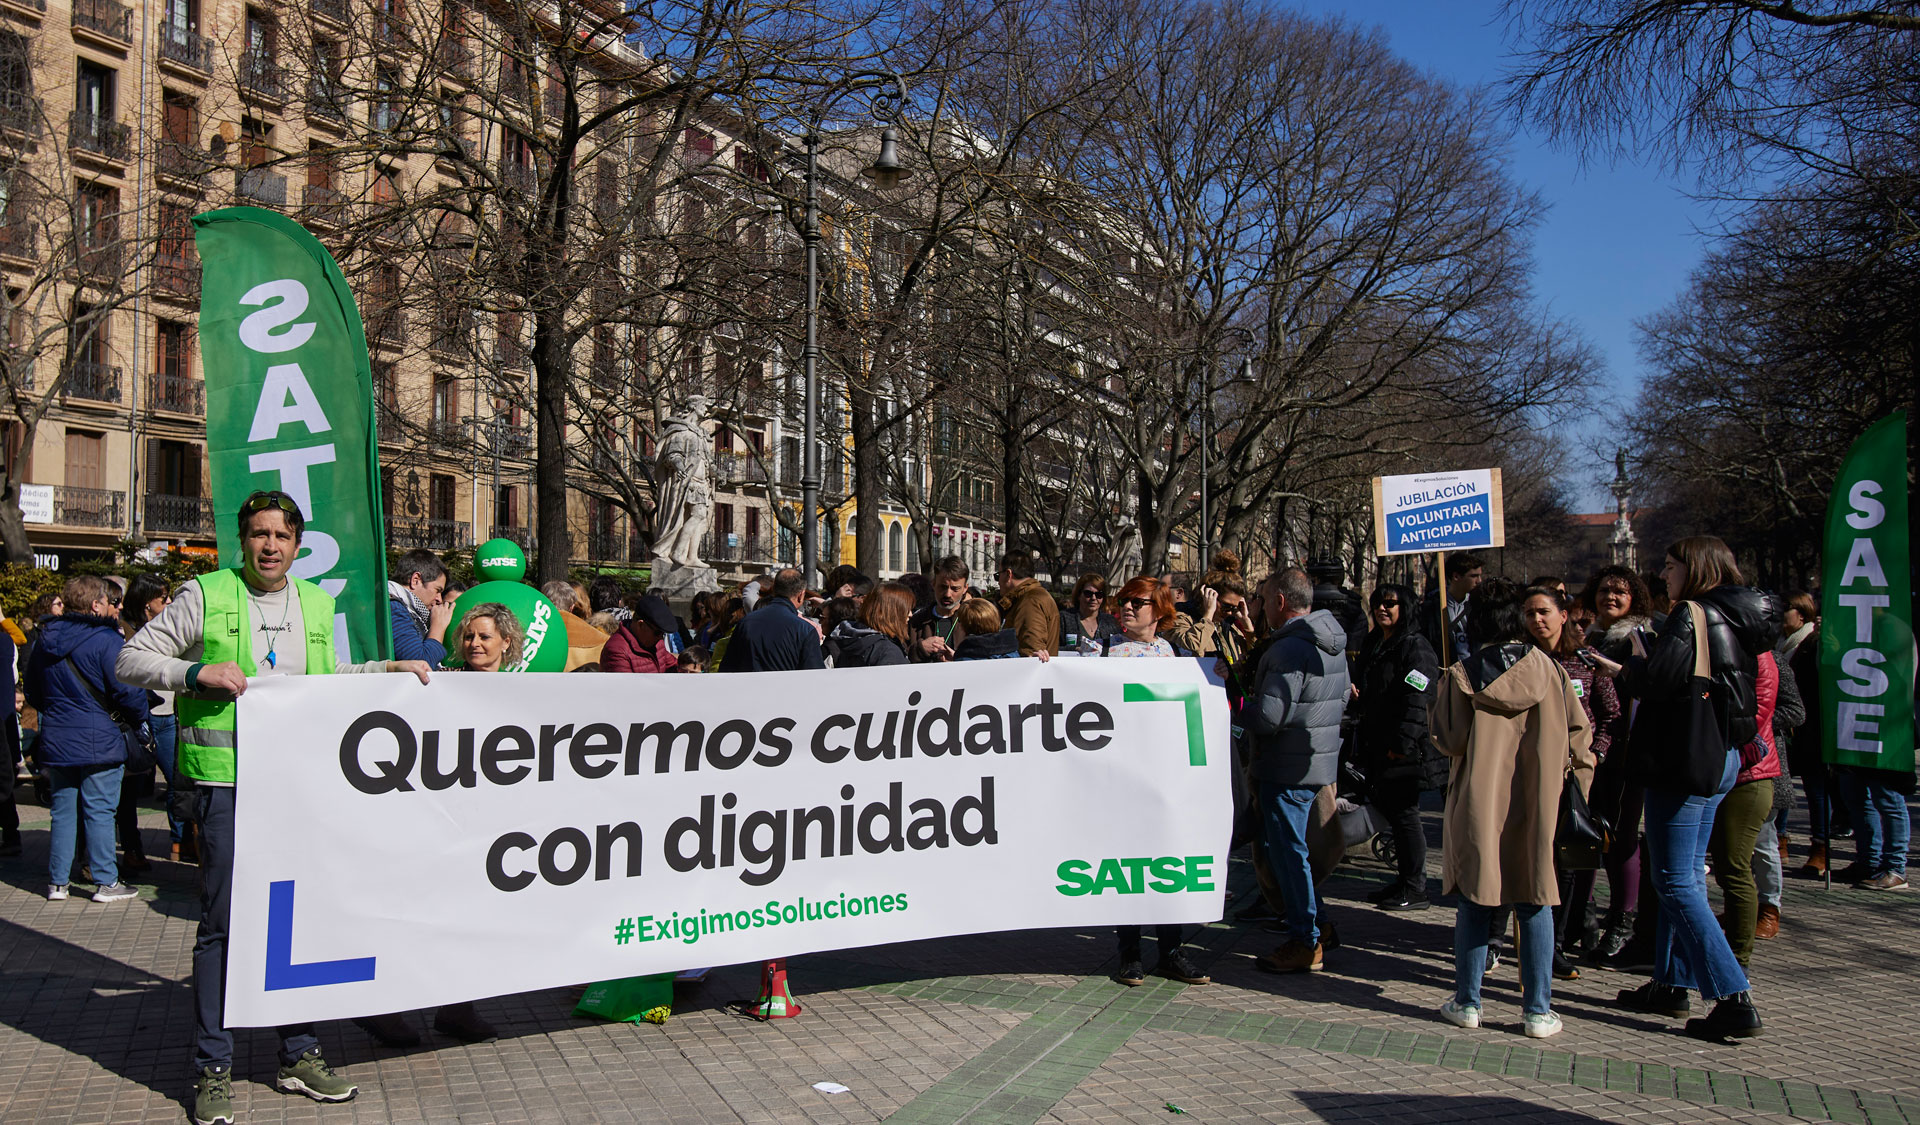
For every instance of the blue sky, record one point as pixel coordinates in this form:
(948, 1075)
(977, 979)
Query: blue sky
(1618, 240)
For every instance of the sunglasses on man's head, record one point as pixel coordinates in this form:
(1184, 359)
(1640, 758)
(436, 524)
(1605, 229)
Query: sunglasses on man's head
(261, 501)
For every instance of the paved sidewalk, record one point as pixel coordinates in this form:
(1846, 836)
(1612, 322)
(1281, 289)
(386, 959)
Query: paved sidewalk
(96, 1026)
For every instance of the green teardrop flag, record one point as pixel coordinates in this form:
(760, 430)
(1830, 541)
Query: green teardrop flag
(545, 649)
(1866, 607)
(290, 407)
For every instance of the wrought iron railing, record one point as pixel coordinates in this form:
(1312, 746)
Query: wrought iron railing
(89, 507)
(186, 48)
(434, 535)
(104, 17)
(261, 186)
(98, 134)
(97, 382)
(176, 394)
(179, 515)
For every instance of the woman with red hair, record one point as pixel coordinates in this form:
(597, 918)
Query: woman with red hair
(1145, 607)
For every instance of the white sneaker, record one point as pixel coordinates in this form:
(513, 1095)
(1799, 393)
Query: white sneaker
(1543, 1026)
(114, 892)
(1460, 1015)
(57, 892)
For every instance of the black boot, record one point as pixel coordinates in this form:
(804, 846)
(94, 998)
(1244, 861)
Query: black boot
(1657, 999)
(1734, 1017)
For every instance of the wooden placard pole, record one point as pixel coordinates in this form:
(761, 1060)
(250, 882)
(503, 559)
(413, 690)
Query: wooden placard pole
(1446, 647)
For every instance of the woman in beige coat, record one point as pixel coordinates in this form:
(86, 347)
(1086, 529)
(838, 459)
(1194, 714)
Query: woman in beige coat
(1509, 718)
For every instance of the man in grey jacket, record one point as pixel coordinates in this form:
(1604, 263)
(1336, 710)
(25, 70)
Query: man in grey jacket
(1293, 718)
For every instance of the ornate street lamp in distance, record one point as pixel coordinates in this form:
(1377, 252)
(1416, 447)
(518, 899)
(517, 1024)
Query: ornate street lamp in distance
(889, 96)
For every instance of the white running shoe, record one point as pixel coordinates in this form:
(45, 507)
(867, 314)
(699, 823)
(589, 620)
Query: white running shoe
(1543, 1026)
(1461, 1015)
(57, 892)
(114, 892)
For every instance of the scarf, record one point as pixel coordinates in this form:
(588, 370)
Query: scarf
(416, 608)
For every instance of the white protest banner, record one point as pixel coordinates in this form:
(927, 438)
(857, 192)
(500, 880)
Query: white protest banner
(404, 845)
(1456, 511)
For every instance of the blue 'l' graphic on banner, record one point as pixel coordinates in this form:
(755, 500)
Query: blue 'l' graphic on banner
(281, 971)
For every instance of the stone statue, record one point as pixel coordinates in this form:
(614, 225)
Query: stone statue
(684, 486)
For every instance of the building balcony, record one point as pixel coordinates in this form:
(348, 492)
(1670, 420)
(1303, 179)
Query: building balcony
(335, 10)
(19, 112)
(832, 474)
(447, 433)
(185, 516)
(455, 58)
(517, 177)
(325, 102)
(97, 134)
(738, 468)
(17, 240)
(606, 546)
(185, 48)
(89, 507)
(184, 163)
(386, 324)
(263, 78)
(434, 535)
(177, 276)
(101, 258)
(96, 382)
(104, 18)
(452, 333)
(322, 204)
(510, 354)
(37, 7)
(258, 185)
(521, 535)
(720, 547)
(516, 442)
(176, 394)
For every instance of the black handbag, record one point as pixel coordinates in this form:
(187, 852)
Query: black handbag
(1581, 839)
(1682, 743)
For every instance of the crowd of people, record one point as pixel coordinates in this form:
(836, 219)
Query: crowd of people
(1532, 718)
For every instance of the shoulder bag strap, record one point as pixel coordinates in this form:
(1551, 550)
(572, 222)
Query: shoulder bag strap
(98, 696)
(1702, 666)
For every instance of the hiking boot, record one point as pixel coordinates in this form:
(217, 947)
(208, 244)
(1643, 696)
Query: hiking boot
(313, 1077)
(1636, 956)
(57, 892)
(1293, 957)
(1543, 1025)
(1734, 1017)
(1563, 967)
(391, 1030)
(463, 1023)
(1618, 933)
(1885, 881)
(1461, 1015)
(1131, 974)
(1387, 893)
(213, 1097)
(1176, 966)
(1407, 899)
(114, 892)
(1767, 924)
(1656, 999)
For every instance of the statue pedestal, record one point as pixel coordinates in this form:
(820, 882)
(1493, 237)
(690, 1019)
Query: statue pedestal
(677, 584)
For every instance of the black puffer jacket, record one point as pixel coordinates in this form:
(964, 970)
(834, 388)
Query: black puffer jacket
(1742, 623)
(1398, 678)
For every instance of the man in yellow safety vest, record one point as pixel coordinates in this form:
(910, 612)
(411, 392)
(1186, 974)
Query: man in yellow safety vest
(223, 628)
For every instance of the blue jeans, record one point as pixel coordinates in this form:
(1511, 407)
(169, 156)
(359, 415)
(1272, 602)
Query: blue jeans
(96, 790)
(1284, 811)
(213, 1046)
(1881, 829)
(1689, 948)
(166, 741)
(1471, 923)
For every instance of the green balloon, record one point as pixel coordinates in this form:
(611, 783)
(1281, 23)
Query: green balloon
(545, 649)
(500, 560)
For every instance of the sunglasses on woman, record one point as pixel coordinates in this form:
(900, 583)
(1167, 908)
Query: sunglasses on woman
(1136, 603)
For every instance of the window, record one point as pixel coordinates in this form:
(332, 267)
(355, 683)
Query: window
(384, 112)
(17, 454)
(86, 459)
(174, 346)
(89, 335)
(94, 86)
(174, 250)
(723, 440)
(323, 166)
(446, 402)
(699, 145)
(179, 19)
(723, 521)
(173, 468)
(506, 506)
(262, 36)
(753, 523)
(896, 547)
(179, 120)
(325, 93)
(389, 21)
(386, 385)
(16, 76)
(440, 497)
(256, 142)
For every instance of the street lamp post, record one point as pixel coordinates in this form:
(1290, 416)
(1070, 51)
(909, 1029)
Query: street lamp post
(890, 94)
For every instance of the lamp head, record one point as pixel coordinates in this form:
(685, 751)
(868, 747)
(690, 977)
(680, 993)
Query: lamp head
(886, 169)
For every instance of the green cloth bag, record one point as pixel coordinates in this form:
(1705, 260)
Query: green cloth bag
(628, 999)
